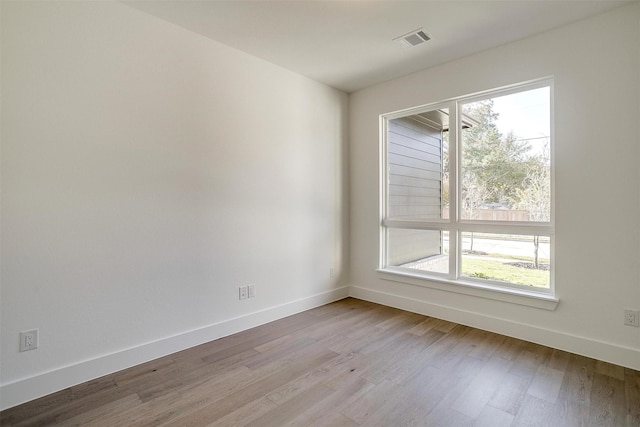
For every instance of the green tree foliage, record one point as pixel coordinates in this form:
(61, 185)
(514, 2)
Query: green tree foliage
(494, 166)
(498, 169)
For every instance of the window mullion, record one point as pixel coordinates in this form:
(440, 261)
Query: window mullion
(454, 240)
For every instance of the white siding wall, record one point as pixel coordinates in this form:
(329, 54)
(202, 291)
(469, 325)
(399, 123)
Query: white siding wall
(414, 155)
(415, 169)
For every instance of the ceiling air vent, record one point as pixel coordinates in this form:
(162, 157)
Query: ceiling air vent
(414, 38)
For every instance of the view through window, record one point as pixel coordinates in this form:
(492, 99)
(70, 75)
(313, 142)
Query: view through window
(468, 189)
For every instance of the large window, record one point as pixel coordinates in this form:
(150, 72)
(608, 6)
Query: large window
(468, 190)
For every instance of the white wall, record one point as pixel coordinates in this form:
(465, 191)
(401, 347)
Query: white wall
(596, 66)
(147, 172)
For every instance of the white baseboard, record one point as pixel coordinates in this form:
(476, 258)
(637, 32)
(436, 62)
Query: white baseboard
(608, 352)
(30, 388)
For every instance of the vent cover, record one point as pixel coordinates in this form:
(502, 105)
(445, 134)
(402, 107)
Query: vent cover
(414, 38)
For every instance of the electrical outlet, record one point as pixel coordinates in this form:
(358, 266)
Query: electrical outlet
(242, 292)
(251, 291)
(29, 340)
(331, 273)
(632, 317)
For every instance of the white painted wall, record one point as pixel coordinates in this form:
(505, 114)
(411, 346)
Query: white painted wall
(147, 172)
(596, 66)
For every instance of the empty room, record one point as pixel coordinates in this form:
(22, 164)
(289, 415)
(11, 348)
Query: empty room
(320, 213)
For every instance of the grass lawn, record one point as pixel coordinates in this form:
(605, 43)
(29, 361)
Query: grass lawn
(496, 270)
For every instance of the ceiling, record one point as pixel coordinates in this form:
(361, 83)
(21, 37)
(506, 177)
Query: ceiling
(348, 44)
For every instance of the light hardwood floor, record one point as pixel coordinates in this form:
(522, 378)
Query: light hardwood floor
(352, 363)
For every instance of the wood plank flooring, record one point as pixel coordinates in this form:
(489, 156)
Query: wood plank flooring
(352, 363)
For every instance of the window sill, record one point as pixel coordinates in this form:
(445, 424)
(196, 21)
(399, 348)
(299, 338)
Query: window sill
(514, 296)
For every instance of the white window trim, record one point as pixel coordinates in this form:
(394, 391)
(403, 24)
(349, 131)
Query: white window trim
(532, 297)
(488, 291)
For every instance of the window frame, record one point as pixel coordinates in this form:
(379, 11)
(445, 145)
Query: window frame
(455, 225)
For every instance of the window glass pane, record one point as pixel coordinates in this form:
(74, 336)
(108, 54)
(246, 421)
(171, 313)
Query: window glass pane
(425, 250)
(523, 260)
(505, 168)
(418, 166)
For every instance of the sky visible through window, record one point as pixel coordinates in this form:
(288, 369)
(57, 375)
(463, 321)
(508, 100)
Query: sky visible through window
(526, 114)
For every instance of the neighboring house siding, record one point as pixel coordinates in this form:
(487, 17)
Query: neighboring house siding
(415, 181)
